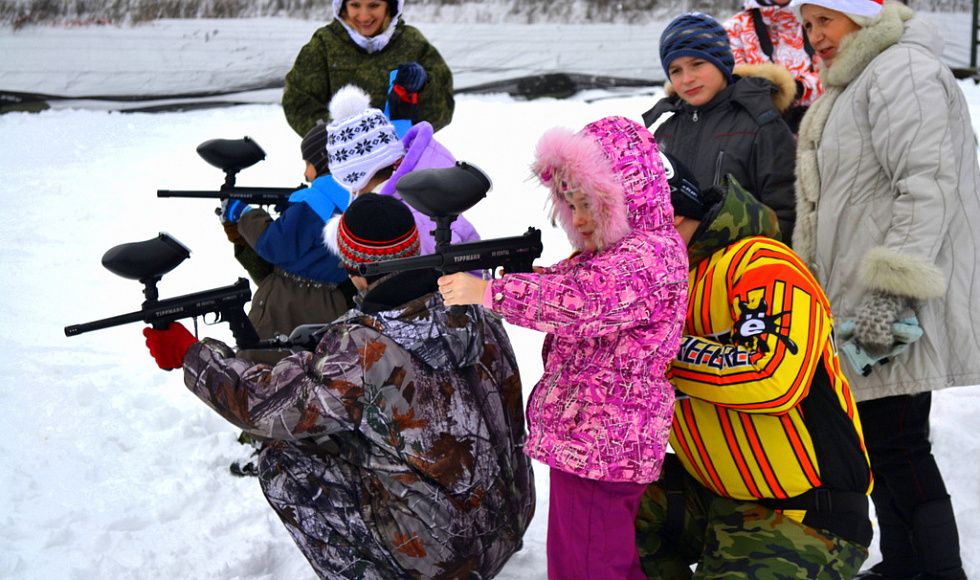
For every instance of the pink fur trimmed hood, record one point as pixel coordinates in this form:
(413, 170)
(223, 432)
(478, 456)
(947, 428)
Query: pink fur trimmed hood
(616, 163)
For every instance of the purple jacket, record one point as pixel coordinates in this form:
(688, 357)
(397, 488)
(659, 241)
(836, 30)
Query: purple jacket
(614, 317)
(424, 152)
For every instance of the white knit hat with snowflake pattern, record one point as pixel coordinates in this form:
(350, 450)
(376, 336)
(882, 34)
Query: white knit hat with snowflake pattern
(360, 140)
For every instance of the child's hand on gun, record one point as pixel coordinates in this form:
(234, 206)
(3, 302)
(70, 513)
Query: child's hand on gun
(461, 289)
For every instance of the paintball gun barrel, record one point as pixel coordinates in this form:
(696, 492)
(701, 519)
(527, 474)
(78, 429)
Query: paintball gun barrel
(443, 194)
(513, 254)
(148, 261)
(231, 156)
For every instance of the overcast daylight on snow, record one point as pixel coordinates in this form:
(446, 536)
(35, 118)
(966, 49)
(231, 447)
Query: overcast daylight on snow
(112, 469)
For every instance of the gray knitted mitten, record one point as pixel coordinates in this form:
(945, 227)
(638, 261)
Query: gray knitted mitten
(875, 316)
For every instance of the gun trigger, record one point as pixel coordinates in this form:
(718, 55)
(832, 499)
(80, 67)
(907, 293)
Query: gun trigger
(215, 320)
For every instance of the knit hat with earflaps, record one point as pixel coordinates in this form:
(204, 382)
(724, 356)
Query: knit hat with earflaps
(360, 140)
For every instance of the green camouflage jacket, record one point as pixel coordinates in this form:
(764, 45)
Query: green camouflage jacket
(735, 214)
(331, 60)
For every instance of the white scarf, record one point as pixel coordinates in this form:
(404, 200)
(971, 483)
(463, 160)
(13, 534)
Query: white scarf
(375, 43)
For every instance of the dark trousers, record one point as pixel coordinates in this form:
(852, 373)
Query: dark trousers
(915, 517)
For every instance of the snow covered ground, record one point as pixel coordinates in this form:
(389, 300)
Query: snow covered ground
(111, 468)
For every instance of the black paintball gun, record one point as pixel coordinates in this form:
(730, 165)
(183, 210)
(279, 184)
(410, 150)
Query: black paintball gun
(443, 194)
(148, 261)
(231, 156)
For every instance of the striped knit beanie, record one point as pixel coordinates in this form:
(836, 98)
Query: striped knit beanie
(699, 36)
(314, 148)
(376, 228)
(361, 141)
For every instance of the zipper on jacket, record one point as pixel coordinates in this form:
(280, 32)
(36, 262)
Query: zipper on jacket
(694, 116)
(719, 161)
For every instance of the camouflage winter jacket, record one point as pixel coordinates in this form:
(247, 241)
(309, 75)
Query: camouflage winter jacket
(394, 449)
(331, 60)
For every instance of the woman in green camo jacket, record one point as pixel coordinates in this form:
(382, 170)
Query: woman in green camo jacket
(364, 43)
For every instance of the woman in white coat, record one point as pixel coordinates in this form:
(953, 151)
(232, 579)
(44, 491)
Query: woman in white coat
(887, 202)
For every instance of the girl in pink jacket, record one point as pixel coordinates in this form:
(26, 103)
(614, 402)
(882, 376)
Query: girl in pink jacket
(614, 312)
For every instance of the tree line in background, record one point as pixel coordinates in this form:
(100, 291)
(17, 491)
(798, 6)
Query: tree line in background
(20, 13)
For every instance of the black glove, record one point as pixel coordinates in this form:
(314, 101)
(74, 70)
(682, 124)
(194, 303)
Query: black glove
(411, 77)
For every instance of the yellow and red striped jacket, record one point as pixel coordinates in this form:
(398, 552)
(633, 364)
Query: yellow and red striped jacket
(768, 412)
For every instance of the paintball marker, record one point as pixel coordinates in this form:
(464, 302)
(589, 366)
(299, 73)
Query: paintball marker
(148, 261)
(231, 156)
(443, 194)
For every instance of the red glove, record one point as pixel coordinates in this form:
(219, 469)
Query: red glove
(169, 346)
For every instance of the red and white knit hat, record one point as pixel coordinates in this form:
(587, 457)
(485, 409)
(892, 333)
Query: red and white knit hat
(865, 8)
(375, 228)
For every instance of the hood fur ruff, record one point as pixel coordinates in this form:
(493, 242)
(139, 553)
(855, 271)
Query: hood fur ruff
(780, 77)
(616, 163)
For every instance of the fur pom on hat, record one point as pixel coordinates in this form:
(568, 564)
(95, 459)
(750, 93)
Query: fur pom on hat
(360, 140)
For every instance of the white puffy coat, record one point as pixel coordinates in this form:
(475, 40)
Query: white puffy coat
(887, 198)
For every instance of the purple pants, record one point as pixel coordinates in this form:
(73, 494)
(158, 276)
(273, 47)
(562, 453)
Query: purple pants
(591, 534)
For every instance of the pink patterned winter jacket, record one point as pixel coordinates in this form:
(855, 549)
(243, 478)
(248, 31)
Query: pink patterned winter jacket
(602, 409)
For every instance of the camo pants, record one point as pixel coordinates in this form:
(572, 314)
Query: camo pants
(734, 539)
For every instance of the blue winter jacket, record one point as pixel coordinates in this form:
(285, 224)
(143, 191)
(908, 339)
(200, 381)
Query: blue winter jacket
(294, 241)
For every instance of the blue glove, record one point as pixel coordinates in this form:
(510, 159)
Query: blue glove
(232, 210)
(411, 76)
(904, 332)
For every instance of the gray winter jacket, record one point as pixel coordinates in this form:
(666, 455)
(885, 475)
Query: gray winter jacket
(395, 449)
(740, 132)
(887, 186)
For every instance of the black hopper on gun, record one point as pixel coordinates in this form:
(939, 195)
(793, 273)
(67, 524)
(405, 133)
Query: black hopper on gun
(232, 156)
(443, 194)
(147, 262)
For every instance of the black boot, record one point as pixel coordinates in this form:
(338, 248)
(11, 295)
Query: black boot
(937, 541)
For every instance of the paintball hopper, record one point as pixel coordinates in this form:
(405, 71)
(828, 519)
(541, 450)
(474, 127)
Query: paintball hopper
(231, 155)
(444, 192)
(146, 260)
